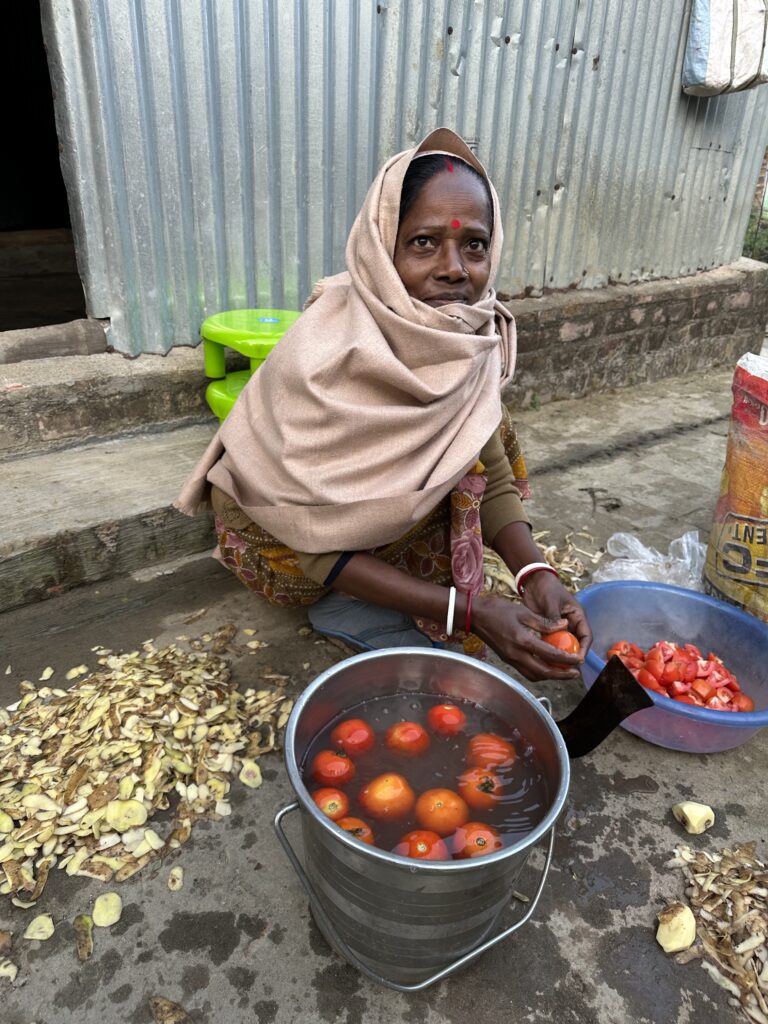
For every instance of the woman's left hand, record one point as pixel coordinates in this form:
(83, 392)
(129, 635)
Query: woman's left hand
(546, 595)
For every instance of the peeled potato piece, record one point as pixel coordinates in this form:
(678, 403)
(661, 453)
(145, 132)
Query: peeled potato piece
(40, 928)
(107, 909)
(695, 818)
(677, 928)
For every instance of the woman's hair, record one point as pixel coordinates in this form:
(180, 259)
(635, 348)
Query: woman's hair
(423, 168)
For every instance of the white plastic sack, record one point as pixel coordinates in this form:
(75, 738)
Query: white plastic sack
(681, 567)
(726, 47)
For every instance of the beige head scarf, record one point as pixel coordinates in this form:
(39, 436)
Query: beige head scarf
(374, 404)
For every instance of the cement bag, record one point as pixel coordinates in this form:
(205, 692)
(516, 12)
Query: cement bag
(737, 557)
(726, 47)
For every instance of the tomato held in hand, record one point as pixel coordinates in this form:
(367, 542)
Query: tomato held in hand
(357, 828)
(353, 736)
(422, 845)
(387, 796)
(332, 768)
(331, 802)
(446, 719)
(441, 811)
(407, 738)
(480, 788)
(487, 750)
(563, 640)
(475, 840)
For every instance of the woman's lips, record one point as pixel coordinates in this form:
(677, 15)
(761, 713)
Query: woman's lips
(443, 300)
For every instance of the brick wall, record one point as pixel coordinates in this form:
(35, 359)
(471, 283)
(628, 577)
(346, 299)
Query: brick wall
(573, 343)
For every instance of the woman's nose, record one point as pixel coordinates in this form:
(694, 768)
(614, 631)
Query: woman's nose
(450, 265)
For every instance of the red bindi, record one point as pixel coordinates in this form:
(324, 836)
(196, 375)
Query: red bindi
(455, 223)
(449, 165)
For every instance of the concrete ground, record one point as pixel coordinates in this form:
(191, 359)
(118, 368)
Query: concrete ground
(237, 944)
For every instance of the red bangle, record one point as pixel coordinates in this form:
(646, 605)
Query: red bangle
(469, 612)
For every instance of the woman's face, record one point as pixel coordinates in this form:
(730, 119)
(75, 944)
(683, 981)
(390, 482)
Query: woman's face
(442, 252)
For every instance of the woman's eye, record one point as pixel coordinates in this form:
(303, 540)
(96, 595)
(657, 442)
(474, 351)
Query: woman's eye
(422, 242)
(477, 245)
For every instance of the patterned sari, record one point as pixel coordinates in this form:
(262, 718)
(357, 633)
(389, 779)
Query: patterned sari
(445, 548)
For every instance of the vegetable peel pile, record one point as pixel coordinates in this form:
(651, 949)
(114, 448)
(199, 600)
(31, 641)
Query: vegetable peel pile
(83, 771)
(570, 568)
(728, 894)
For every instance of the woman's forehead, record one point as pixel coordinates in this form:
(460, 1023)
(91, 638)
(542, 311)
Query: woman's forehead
(456, 193)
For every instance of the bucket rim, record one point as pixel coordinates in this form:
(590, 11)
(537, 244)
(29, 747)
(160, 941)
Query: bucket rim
(307, 804)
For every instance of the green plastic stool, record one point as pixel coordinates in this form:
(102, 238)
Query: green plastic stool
(251, 332)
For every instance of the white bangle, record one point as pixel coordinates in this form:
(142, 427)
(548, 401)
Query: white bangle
(531, 568)
(451, 610)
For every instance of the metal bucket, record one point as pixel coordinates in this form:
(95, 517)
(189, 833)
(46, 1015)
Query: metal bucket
(408, 923)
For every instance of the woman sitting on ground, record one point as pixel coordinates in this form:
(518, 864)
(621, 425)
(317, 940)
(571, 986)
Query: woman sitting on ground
(365, 464)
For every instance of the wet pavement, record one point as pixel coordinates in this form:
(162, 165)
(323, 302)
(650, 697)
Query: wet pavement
(237, 943)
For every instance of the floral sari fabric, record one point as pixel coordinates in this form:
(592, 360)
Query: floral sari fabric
(445, 548)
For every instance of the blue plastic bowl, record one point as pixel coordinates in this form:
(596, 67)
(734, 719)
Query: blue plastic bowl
(647, 612)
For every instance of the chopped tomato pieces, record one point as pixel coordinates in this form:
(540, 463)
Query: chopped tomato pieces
(681, 671)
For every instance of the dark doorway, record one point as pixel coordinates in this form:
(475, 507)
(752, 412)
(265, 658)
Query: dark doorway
(39, 284)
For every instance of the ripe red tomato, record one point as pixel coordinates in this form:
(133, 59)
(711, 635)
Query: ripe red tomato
(487, 750)
(331, 802)
(353, 736)
(357, 828)
(703, 688)
(441, 811)
(475, 840)
(480, 788)
(422, 845)
(446, 719)
(650, 682)
(654, 663)
(742, 702)
(407, 738)
(387, 796)
(332, 768)
(563, 640)
(626, 649)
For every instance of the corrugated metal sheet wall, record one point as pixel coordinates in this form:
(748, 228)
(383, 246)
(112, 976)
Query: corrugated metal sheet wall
(216, 151)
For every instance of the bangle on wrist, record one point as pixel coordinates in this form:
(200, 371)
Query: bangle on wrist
(529, 570)
(451, 610)
(468, 623)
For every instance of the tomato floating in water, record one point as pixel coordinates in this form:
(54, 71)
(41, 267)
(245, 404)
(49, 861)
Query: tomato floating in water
(446, 719)
(487, 750)
(353, 736)
(332, 768)
(357, 828)
(407, 738)
(423, 845)
(475, 840)
(441, 811)
(480, 788)
(563, 641)
(332, 802)
(387, 796)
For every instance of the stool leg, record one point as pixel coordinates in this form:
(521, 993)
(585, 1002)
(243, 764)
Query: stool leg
(213, 357)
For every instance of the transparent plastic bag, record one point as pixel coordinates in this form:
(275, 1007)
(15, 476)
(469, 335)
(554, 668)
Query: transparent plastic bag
(682, 566)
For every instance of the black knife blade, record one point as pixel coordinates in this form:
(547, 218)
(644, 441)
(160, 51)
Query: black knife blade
(614, 696)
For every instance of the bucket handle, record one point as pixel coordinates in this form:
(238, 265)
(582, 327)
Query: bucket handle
(347, 952)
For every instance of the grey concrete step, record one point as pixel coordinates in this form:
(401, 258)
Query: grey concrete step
(96, 511)
(53, 403)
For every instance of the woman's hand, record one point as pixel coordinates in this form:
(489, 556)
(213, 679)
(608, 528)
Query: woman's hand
(546, 595)
(514, 632)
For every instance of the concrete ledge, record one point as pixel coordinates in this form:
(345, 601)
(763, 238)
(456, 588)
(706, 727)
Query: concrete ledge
(51, 403)
(97, 511)
(573, 343)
